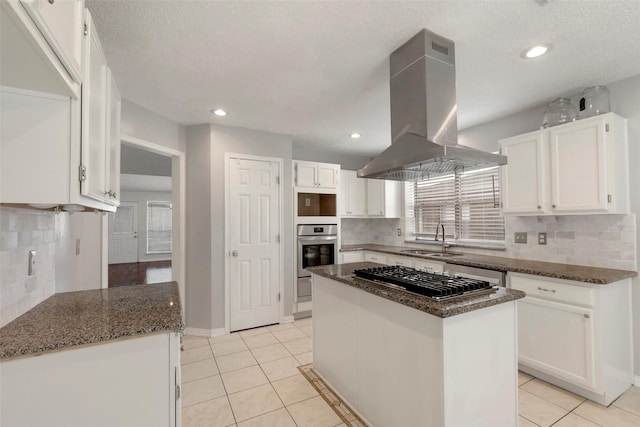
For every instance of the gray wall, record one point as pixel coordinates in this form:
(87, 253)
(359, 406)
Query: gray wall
(141, 162)
(198, 289)
(144, 124)
(347, 162)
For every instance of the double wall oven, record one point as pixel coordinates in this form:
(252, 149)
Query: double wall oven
(317, 245)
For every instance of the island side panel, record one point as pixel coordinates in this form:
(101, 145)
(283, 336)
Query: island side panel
(91, 386)
(480, 367)
(335, 336)
(400, 370)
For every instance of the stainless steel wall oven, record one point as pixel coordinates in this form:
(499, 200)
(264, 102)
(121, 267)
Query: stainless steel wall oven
(317, 245)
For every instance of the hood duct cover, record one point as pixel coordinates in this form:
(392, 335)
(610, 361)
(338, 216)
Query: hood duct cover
(424, 124)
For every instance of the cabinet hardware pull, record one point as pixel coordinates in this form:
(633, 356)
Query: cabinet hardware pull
(553, 206)
(539, 207)
(547, 290)
(586, 316)
(51, 1)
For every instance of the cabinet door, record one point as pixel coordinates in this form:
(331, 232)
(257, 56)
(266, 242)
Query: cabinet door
(306, 174)
(327, 175)
(60, 22)
(354, 256)
(578, 167)
(357, 195)
(113, 141)
(344, 193)
(522, 179)
(94, 116)
(375, 197)
(558, 339)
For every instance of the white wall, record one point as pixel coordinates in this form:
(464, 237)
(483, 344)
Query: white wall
(78, 271)
(141, 123)
(140, 198)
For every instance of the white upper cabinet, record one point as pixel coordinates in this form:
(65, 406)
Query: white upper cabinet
(113, 141)
(576, 168)
(353, 194)
(40, 45)
(315, 175)
(384, 198)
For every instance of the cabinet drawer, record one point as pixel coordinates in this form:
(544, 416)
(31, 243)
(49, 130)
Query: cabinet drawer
(554, 291)
(375, 257)
(400, 260)
(432, 266)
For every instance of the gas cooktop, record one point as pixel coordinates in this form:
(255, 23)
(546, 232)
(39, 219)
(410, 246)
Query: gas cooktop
(436, 286)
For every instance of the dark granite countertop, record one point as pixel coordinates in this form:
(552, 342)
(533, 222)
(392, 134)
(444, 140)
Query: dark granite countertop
(71, 319)
(344, 273)
(579, 273)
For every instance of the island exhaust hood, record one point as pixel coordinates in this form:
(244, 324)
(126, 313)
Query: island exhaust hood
(424, 125)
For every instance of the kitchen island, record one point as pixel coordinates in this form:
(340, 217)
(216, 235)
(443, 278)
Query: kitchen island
(399, 358)
(102, 357)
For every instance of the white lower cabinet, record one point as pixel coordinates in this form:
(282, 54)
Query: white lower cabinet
(132, 382)
(351, 256)
(576, 335)
(375, 257)
(427, 265)
(403, 261)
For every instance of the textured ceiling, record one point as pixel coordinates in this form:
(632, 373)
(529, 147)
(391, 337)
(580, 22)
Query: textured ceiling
(318, 70)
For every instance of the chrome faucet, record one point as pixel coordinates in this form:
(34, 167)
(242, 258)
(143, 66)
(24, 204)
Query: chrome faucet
(441, 225)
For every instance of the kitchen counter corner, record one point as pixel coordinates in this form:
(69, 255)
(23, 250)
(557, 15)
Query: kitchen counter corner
(72, 319)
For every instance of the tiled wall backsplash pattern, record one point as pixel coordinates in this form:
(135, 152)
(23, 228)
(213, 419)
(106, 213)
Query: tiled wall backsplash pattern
(23, 230)
(607, 241)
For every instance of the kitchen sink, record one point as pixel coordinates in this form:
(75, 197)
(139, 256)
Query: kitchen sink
(429, 253)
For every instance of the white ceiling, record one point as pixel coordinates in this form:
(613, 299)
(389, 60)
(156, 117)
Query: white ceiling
(318, 70)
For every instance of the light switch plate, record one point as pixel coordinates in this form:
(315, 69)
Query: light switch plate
(399, 231)
(32, 263)
(542, 238)
(520, 237)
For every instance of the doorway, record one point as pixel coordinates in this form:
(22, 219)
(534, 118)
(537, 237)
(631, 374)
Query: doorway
(161, 260)
(254, 279)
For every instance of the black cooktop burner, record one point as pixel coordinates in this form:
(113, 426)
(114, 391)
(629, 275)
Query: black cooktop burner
(432, 285)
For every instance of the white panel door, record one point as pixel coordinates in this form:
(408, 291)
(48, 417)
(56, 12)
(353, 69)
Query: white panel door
(253, 243)
(123, 234)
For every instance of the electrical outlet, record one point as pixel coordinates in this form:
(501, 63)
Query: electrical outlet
(542, 238)
(399, 231)
(520, 237)
(32, 263)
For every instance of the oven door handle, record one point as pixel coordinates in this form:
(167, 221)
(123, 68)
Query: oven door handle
(316, 238)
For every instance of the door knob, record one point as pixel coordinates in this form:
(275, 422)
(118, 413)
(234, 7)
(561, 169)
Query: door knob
(235, 253)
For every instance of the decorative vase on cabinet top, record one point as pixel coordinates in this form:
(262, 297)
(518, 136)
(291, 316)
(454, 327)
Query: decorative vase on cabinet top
(559, 111)
(594, 101)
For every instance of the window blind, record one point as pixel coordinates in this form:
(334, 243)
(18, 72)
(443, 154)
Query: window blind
(468, 205)
(159, 227)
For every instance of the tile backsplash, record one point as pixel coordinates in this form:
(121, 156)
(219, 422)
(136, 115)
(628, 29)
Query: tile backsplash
(22, 230)
(607, 241)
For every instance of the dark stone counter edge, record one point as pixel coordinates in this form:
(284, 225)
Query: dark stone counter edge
(70, 345)
(612, 275)
(441, 309)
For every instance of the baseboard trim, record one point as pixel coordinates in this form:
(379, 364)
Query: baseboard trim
(209, 333)
(287, 319)
(636, 380)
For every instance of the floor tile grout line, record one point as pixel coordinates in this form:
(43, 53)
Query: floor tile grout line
(520, 415)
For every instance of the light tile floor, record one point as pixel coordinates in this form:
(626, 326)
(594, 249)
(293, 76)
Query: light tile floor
(250, 378)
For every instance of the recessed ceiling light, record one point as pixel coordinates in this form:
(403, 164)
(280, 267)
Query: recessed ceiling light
(536, 51)
(219, 112)
(355, 135)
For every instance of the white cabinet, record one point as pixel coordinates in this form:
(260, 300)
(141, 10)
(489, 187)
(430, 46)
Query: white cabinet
(576, 335)
(351, 256)
(316, 175)
(375, 257)
(353, 195)
(384, 198)
(63, 151)
(123, 383)
(40, 45)
(403, 261)
(579, 167)
(428, 265)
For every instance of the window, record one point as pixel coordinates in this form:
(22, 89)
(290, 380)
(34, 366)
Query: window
(158, 227)
(468, 205)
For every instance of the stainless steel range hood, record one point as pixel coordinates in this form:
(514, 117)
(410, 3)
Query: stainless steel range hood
(424, 116)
